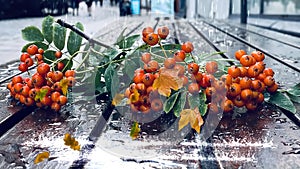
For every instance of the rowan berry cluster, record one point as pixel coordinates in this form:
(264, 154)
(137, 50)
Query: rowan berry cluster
(242, 86)
(44, 87)
(247, 83)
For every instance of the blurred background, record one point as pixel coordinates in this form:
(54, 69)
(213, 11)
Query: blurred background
(288, 9)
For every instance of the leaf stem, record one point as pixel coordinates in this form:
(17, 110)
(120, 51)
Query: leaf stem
(83, 60)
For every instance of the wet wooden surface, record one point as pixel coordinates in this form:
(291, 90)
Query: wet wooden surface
(266, 138)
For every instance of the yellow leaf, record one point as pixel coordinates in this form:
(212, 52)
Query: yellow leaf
(133, 98)
(63, 83)
(186, 116)
(168, 79)
(41, 157)
(190, 116)
(199, 121)
(117, 99)
(135, 130)
(72, 142)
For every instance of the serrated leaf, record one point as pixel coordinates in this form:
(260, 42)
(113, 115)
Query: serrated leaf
(294, 98)
(168, 79)
(41, 157)
(32, 33)
(135, 130)
(192, 117)
(40, 94)
(49, 56)
(170, 102)
(179, 106)
(282, 101)
(74, 40)
(59, 36)
(47, 28)
(38, 44)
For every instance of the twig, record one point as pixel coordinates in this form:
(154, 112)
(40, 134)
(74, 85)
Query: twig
(82, 34)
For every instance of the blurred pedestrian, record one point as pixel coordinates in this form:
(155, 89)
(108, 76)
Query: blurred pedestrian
(101, 2)
(75, 6)
(89, 6)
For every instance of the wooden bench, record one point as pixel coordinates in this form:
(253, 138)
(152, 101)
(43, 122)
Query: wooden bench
(268, 138)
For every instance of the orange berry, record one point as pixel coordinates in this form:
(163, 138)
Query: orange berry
(234, 89)
(156, 105)
(148, 79)
(179, 56)
(163, 32)
(187, 47)
(138, 78)
(246, 95)
(246, 60)
(238, 102)
(268, 72)
(245, 83)
(147, 31)
(269, 81)
(273, 88)
(211, 67)
(244, 71)
(234, 71)
(146, 57)
(62, 100)
(228, 106)
(141, 88)
(17, 79)
(261, 77)
(260, 98)
(58, 54)
(193, 88)
(251, 105)
(152, 66)
(151, 39)
(169, 63)
(193, 68)
(69, 73)
(259, 56)
(253, 71)
(55, 106)
(227, 79)
(24, 56)
(196, 77)
(32, 49)
(239, 54)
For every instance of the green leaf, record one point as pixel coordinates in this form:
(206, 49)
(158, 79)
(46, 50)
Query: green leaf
(202, 105)
(294, 98)
(59, 36)
(38, 44)
(49, 56)
(129, 67)
(74, 40)
(121, 37)
(170, 102)
(179, 106)
(135, 130)
(111, 80)
(282, 101)
(294, 90)
(40, 94)
(167, 47)
(47, 28)
(68, 64)
(198, 100)
(32, 33)
(128, 42)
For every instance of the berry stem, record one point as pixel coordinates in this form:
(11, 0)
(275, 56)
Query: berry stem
(194, 59)
(162, 48)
